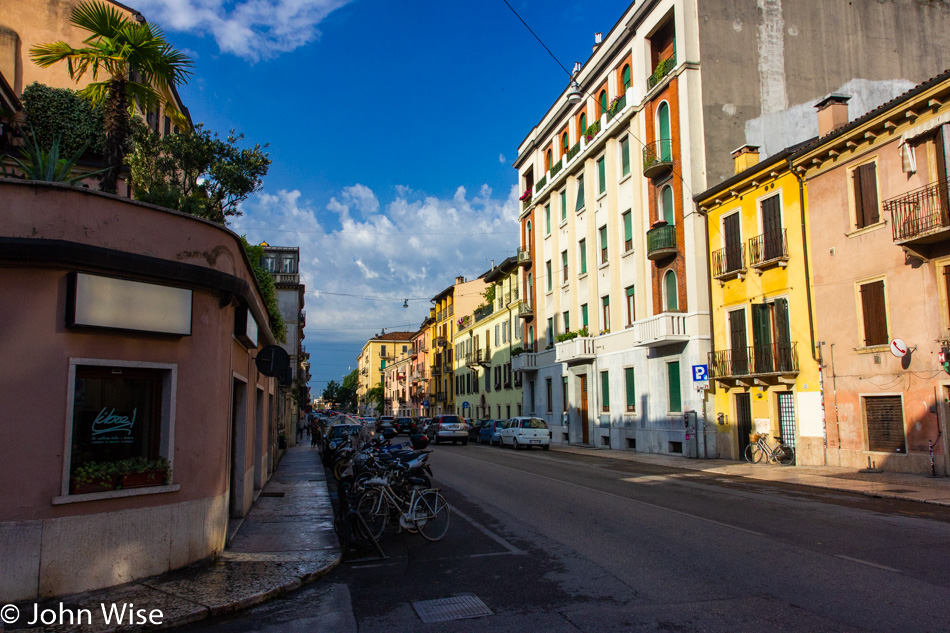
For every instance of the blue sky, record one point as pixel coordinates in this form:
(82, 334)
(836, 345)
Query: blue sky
(392, 127)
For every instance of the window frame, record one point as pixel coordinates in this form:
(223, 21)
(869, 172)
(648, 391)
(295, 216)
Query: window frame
(604, 252)
(630, 389)
(605, 391)
(859, 219)
(862, 312)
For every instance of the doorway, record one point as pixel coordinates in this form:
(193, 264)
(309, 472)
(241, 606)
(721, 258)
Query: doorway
(743, 421)
(585, 432)
(237, 463)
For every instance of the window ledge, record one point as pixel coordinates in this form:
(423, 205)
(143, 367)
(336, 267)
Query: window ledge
(604, 265)
(579, 211)
(867, 229)
(624, 179)
(547, 236)
(601, 195)
(562, 224)
(116, 494)
(565, 285)
(628, 253)
(549, 293)
(582, 276)
(873, 349)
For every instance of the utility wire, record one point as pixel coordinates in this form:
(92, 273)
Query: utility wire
(538, 38)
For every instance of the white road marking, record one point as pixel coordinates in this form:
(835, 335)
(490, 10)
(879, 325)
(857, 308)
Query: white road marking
(867, 562)
(484, 530)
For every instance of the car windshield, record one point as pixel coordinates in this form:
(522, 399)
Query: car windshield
(450, 419)
(404, 420)
(339, 431)
(534, 423)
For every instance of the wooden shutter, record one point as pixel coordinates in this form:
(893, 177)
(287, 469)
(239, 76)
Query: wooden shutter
(733, 243)
(865, 195)
(630, 388)
(885, 423)
(771, 228)
(762, 338)
(605, 390)
(738, 343)
(875, 317)
(676, 398)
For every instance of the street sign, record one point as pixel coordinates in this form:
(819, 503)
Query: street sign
(700, 373)
(425, 403)
(898, 348)
(465, 404)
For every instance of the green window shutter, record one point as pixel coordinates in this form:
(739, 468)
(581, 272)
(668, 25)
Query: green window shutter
(584, 315)
(603, 101)
(666, 199)
(630, 389)
(626, 77)
(672, 296)
(583, 124)
(676, 399)
(567, 321)
(547, 218)
(627, 226)
(564, 143)
(625, 155)
(666, 145)
(605, 390)
(630, 291)
(580, 193)
(601, 176)
(583, 249)
(606, 300)
(563, 205)
(548, 273)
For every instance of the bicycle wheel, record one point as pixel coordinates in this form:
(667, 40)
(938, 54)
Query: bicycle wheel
(753, 454)
(430, 511)
(785, 455)
(374, 508)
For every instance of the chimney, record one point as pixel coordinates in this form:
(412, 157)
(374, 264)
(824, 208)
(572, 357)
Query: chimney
(832, 113)
(598, 38)
(745, 157)
(459, 280)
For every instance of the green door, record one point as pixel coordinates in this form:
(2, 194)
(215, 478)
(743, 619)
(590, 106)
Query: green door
(663, 133)
(762, 338)
(676, 398)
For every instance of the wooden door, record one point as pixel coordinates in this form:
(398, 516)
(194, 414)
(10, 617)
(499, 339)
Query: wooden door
(737, 338)
(743, 421)
(585, 432)
(771, 228)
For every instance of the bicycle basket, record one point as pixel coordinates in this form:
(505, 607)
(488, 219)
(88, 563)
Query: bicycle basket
(754, 437)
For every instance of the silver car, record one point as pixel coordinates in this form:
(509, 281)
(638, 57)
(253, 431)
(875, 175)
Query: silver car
(448, 428)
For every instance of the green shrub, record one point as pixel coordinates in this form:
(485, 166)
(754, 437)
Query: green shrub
(61, 112)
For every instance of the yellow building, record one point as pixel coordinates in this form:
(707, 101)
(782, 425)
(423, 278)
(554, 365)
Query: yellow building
(763, 370)
(456, 301)
(372, 361)
(483, 348)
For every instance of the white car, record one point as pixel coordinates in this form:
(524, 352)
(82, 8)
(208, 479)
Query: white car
(525, 433)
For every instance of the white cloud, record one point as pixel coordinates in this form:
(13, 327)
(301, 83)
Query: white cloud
(502, 159)
(413, 248)
(252, 29)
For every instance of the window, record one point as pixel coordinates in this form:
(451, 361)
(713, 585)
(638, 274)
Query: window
(865, 195)
(564, 393)
(667, 210)
(119, 413)
(671, 291)
(564, 266)
(547, 219)
(605, 304)
(625, 156)
(874, 312)
(628, 231)
(547, 270)
(550, 333)
(772, 246)
(665, 145)
(884, 417)
(603, 244)
(548, 160)
(673, 383)
(563, 205)
(582, 246)
(603, 101)
(733, 237)
(630, 389)
(565, 144)
(584, 315)
(625, 75)
(583, 125)
(771, 336)
(601, 176)
(605, 391)
(631, 313)
(579, 205)
(566, 320)
(550, 394)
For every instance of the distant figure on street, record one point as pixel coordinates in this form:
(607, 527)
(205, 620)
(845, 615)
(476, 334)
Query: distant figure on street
(314, 431)
(301, 426)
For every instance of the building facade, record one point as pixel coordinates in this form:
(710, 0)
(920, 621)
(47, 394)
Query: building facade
(880, 237)
(458, 300)
(614, 244)
(483, 348)
(377, 354)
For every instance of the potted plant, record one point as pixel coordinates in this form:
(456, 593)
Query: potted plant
(517, 350)
(94, 477)
(139, 472)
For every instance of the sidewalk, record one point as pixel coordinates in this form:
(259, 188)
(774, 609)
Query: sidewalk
(886, 485)
(286, 540)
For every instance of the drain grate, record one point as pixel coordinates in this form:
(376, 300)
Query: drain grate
(446, 609)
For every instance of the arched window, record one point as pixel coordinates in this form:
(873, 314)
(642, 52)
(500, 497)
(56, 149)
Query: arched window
(564, 144)
(626, 76)
(667, 210)
(663, 133)
(583, 129)
(548, 160)
(670, 290)
(603, 101)
(528, 237)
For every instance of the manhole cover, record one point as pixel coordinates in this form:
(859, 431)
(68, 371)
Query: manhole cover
(445, 609)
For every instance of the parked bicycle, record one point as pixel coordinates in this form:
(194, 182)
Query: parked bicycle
(759, 448)
(425, 511)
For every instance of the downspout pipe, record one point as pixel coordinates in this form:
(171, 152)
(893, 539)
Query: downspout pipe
(801, 207)
(712, 328)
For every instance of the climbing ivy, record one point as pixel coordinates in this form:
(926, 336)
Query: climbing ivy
(60, 112)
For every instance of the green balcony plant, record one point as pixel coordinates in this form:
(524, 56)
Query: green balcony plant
(567, 336)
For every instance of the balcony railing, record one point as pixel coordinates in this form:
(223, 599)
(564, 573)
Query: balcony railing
(756, 360)
(440, 397)
(524, 257)
(662, 70)
(616, 106)
(921, 213)
(526, 202)
(663, 329)
(484, 312)
(574, 151)
(555, 168)
(540, 184)
(768, 248)
(525, 311)
(657, 158)
(729, 261)
(576, 350)
(592, 130)
(661, 241)
(526, 361)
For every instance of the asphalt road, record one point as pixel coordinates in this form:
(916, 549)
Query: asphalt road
(558, 542)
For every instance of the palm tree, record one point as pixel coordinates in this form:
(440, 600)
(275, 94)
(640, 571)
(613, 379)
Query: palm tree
(142, 68)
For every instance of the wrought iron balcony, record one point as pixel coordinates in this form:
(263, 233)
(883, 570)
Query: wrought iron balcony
(576, 350)
(658, 158)
(756, 361)
(574, 151)
(592, 130)
(556, 167)
(662, 70)
(525, 311)
(768, 248)
(661, 241)
(921, 216)
(616, 106)
(540, 184)
(728, 262)
(440, 397)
